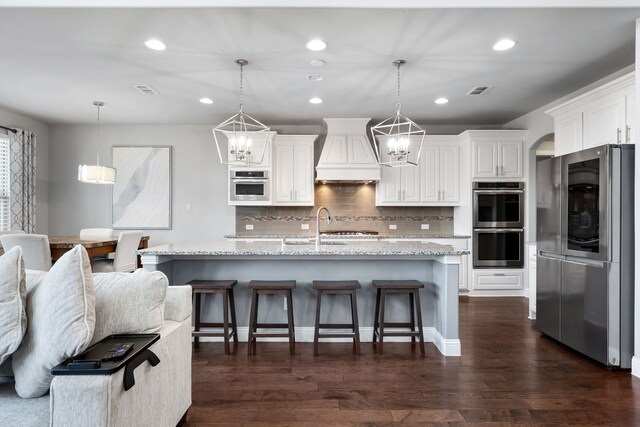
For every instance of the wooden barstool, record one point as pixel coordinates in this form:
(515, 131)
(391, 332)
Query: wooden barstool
(224, 287)
(270, 287)
(337, 287)
(411, 287)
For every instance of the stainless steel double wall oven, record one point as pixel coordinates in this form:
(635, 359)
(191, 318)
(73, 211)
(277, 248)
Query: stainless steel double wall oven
(498, 224)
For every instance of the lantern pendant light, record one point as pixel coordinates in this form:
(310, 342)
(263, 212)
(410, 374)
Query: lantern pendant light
(398, 140)
(241, 140)
(97, 174)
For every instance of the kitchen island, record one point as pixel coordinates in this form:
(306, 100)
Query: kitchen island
(433, 264)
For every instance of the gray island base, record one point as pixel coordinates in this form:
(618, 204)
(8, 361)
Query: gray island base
(437, 266)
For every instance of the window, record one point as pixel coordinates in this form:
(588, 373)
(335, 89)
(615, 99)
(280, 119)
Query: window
(5, 190)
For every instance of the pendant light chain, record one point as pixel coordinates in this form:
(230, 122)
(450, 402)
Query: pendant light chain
(241, 85)
(98, 133)
(398, 63)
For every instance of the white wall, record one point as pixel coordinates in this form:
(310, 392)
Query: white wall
(14, 120)
(198, 178)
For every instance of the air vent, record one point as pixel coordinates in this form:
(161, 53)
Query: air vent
(146, 89)
(479, 90)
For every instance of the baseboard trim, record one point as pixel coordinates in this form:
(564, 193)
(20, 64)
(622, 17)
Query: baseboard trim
(448, 347)
(635, 366)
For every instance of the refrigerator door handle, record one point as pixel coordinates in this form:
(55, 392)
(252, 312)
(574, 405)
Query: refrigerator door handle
(584, 261)
(551, 255)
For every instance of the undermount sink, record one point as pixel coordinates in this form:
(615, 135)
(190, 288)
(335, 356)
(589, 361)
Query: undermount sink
(308, 243)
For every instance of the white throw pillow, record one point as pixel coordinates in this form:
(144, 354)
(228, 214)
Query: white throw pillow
(13, 295)
(129, 303)
(61, 312)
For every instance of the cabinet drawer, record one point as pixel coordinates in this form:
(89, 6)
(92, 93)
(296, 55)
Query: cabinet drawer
(498, 280)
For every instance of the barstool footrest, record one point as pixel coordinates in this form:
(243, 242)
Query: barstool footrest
(269, 335)
(209, 334)
(273, 325)
(335, 326)
(345, 335)
(400, 334)
(397, 325)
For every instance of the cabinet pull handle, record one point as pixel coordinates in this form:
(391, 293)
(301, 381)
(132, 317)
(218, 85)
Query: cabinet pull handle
(619, 135)
(627, 136)
(501, 170)
(290, 194)
(295, 194)
(399, 195)
(497, 174)
(404, 194)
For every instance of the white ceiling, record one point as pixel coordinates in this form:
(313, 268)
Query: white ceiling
(55, 62)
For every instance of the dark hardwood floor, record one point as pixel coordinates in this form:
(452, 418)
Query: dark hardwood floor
(508, 374)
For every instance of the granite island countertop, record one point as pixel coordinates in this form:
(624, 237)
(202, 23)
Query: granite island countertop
(349, 236)
(302, 249)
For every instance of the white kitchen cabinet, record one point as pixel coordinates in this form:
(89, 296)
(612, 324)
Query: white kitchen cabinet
(604, 121)
(498, 279)
(399, 186)
(497, 155)
(293, 170)
(604, 115)
(440, 171)
(568, 133)
(435, 181)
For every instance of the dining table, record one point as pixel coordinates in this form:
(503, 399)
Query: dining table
(94, 246)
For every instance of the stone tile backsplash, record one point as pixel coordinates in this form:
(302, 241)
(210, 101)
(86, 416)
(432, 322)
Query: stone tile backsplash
(352, 206)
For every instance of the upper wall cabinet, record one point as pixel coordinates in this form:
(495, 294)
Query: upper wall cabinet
(440, 174)
(293, 170)
(604, 115)
(435, 181)
(497, 154)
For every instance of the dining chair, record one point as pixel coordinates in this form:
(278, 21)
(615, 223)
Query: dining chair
(35, 249)
(125, 258)
(99, 233)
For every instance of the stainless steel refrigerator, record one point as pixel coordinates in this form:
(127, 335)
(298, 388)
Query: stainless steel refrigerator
(585, 251)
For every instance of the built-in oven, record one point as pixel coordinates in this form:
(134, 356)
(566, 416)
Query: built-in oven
(498, 247)
(249, 186)
(498, 224)
(498, 204)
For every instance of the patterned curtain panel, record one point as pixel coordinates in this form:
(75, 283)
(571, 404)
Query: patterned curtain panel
(23, 180)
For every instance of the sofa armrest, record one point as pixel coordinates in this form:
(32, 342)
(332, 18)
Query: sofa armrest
(160, 396)
(177, 305)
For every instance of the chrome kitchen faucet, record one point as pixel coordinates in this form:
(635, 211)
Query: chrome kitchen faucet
(318, 224)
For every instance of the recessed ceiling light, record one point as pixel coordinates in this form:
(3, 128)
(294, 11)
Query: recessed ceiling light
(316, 45)
(314, 77)
(504, 44)
(155, 44)
(315, 100)
(441, 101)
(317, 62)
(206, 100)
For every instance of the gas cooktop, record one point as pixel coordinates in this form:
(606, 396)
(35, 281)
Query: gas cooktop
(350, 233)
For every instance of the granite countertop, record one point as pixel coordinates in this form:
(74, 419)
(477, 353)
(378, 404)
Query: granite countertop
(270, 248)
(350, 236)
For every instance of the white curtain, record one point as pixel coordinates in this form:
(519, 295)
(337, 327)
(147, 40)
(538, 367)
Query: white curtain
(23, 180)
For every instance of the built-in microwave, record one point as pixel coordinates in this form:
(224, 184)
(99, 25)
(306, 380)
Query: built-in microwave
(249, 186)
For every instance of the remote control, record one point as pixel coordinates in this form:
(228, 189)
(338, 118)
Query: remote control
(84, 364)
(118, 351)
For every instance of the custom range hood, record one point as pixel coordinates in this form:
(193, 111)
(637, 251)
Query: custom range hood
(345, 152)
